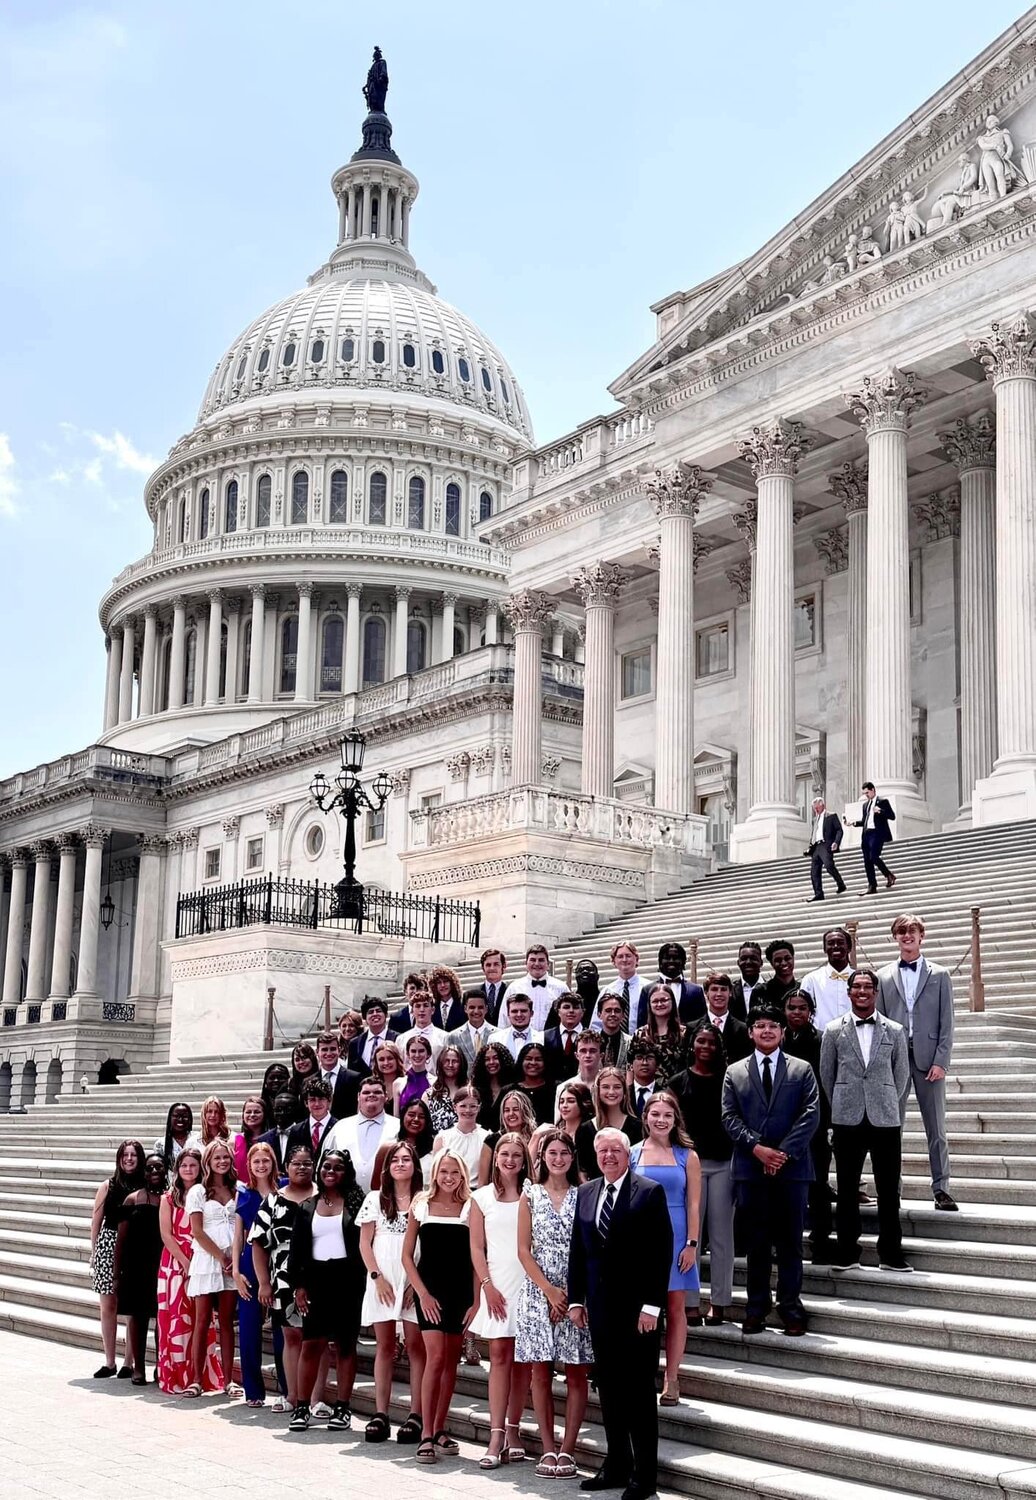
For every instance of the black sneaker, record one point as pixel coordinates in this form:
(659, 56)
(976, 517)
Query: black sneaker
(341, 1418)
(300, 1418)
(105, 1372)
(899, 1264)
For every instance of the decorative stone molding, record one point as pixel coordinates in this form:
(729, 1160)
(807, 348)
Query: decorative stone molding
(774, 449)
(154, 843)
(886, 402)
(66, 840)
(833, 547)
(275, 815)
(231, 827)
(745, 523)
(599, 585)
(305, 589)
(214, 596)
(939, 514)
(189, 838)
(849, 484)
(403, 591)
(517, 864)
(41, 850)
(94, 836)
(482, 759)
(258, 590)
(354, 590)
(529, 609)
(678, 491)
(703, 545)
(1008, 350)
(549, 768)
(285, 961)
(400, 783)
(740, 580)
(971, 445)
(457, 765)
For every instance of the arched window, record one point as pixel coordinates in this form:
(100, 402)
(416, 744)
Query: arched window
(331, 654)
(289, 653)
(438, 363)
(460, 644)
(348, 350)
(223, 663)
(504, 391)
(288, 357)
(263, 501)
(464, 370)
(28, 1085)
(299, 498)
(246, 657)
(374, 636)
(181, 520)
(378, 488)
(264, 362)
(190, 666)
(239, 374)
(339, 498)
(415, 646)
(487, 379)
(230, 506)
(485, 505)
(316, 351)
(54, 1078)
(5, 1087)
(409, 356)
(203, 514)
(415, 504)
(453, 510)
(378, 351)
(163, 675)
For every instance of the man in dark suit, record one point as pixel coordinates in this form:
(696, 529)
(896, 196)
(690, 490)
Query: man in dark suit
(771, 1107)
(494, 966)
(560, 1041)
(618, 1278)
(374, 1011)
(743, 990)
(312, 1131)
(403, 1019)
(285, 1107)
(878, 815)
(342, 1081)
(824, 843)
(919, 995)
(717, 1000)
(690, 998)
(866, 1075)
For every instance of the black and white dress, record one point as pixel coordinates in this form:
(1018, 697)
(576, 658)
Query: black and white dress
(274, 1221)
(538, 1340)
(103, 1261)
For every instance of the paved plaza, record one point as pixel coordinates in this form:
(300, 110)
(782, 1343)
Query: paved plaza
(66, 1436)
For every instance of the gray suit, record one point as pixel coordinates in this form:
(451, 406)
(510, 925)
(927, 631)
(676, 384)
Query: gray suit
(930, 1042)
(463, 1039)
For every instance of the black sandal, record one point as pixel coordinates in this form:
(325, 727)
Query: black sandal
(445, 1443)
(410, 1430)
(377, 1429)
(426, 1452)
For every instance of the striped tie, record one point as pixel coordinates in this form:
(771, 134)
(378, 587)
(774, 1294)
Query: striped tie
(605, 1221)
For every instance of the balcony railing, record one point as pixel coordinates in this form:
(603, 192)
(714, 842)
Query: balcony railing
(316, 905)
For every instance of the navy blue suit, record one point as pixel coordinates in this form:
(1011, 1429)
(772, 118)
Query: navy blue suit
(690, 1007)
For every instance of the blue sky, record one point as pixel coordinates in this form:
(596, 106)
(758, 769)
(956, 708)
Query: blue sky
(164, 176)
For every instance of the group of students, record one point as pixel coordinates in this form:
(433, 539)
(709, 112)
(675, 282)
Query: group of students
(420, 1179)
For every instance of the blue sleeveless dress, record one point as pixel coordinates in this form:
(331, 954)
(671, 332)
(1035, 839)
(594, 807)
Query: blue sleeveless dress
(673, 1181)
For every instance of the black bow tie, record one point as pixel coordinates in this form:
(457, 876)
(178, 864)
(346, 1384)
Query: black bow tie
(867, 1021)
(539, 984)
(908, 963)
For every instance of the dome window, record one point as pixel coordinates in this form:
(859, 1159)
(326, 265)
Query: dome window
(416, 647)
(339, 498)
(485, 505)
(374, 637)
(263, 493)
(464, 370)
(230, 506)
(453, 510)
(504, 391)
(438, 363)
(333, 639)
(348, 351)
(378, 492)
(203, 514)
(316, 352)
(264, 362)
(409, 356)
(378, 351)
(289, 653)
(487, 380)
(288, 357)
(242, 362)
(415, 504)
(300, 499)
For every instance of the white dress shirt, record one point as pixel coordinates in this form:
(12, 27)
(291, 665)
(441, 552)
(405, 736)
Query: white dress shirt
(760, 1058)
(748, 990)
(514, 1041)
(370, 1043)
(617, 986)
(433, 1035)
(718, 1021)
(818, 829)
(830, 990)
(865, 1037)
(640, 1093)
(909, 979)
(542, 996)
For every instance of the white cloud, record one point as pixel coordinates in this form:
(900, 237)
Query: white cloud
(8, 483)
(126, 455)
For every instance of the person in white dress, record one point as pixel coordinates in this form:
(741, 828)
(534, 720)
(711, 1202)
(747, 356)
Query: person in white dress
(211, 1206)
(383, 1223)
(494, 1257)
(467, 1137)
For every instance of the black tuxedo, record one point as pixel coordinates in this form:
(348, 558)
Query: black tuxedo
(822, 855)
(640, 1239)
(451, 1018)
(559, 1063)
(346, 1092)
(302, 1135)
(354, 1053)
(736, 1041)
(875, 838)
(690, 1007)
(492, 1009)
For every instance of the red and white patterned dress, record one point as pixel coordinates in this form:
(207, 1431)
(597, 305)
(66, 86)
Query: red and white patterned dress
(176, 1318)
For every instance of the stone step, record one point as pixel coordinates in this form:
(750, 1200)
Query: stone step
(15, 1242)
(17, 1265)
(1021, 1168)
(920, 1290)
(1002, 1191)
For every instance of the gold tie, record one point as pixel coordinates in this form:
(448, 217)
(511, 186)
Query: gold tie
(478, 1042)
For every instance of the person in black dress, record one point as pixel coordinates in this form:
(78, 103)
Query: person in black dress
(576, 1117)
(493, 1074)
(802, 1039)
(535, 1082)
(699, 1090)
(138, 1250)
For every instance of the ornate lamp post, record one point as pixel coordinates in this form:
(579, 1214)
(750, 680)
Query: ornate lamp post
(350, 798)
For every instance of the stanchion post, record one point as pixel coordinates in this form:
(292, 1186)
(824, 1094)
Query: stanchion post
(977, 988)
(327, 1007)
(692, 947)
(852, 927)
(268, 1032)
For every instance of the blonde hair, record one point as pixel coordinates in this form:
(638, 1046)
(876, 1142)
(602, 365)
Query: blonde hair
(462, 1192)
(511, 1138)
(208, 1176)
(260, 1148)
(222, 1130)
(599, 1108)
(678, 1134)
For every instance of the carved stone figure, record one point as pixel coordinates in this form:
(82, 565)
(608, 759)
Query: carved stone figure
(913, 228)
(894, 226)
(950, 205)
(998, 174)
(833, 270)
(376, 87)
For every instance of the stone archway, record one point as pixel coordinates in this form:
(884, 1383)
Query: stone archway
(5, 1087)
(28, 1093)
(55, 1077)
(112, 1069)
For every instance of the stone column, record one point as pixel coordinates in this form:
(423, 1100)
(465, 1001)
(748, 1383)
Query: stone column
(492, 625)
(304, 653)
(111, 683)
(64, 919)
(256, 647)
(1009, 356)
(200, 658)
(884, 404)
(126, 678)
(850, 485)
(176, 653)
(677, 496)
(147, 662)
(399, 631)
(15, 929)
(972, 447)
(528, 611)
(773, 828)
(231, 833)
(39, 924)
(599, 587)
(90, 920)
(449, 618)
(147, 920)
(557, 638)
(214, 642)
(366, 201)
(351, 679)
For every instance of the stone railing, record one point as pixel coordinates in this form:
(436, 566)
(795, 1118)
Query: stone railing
(594, 447)
(96, 761)
(538, 809)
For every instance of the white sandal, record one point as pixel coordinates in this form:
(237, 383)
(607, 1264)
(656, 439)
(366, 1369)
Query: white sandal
(547, 1468)
(494, 1460)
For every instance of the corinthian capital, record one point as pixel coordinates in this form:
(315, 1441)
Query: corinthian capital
(678, 491)
(885, 402)
(971, 445)
(600, 584)
(1009, 348)
(528, 609)
(849, 484)
(774, 449)
(745, 522)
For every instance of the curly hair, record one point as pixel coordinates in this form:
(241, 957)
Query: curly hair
(450, 975)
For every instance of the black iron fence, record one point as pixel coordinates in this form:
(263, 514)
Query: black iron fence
(265, 901)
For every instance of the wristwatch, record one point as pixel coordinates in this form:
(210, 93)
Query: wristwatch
(374, 1275)
(690, 1244)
